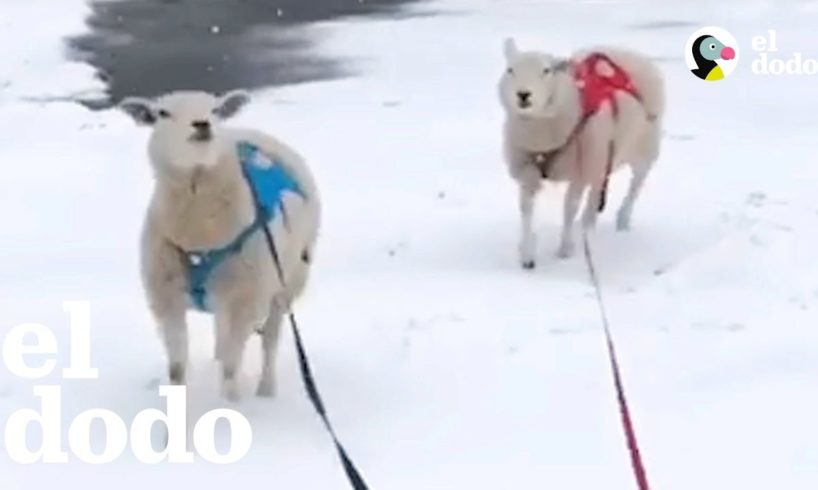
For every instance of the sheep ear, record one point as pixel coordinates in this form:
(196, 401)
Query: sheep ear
(231, 103)
(561, 64)
(141, 110)
(510, 49)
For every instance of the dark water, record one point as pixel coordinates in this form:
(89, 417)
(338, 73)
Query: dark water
(149, 47)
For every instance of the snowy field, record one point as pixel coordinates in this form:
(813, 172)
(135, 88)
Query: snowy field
(444, 365)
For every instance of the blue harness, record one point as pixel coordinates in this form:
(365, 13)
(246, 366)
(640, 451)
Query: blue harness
(268, 180)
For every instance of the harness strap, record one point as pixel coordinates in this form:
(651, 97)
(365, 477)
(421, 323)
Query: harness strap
(201, 264)
(267, 180)
(545, 160)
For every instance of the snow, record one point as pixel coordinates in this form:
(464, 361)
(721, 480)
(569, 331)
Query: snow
(443, 364)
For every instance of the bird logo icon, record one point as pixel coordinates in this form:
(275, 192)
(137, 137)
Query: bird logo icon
(711, 54)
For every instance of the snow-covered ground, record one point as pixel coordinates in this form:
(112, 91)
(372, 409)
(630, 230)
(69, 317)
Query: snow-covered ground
(443, 364)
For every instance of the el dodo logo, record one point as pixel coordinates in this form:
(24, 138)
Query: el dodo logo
(768, 63)
(711, 53)
(18, 351)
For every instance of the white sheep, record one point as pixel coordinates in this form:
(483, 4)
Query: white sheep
(202, 206)
(547, 136)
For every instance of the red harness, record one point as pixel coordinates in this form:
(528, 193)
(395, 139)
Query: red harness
(597, 88)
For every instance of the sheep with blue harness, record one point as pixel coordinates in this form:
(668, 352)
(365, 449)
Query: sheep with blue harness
(204, 243)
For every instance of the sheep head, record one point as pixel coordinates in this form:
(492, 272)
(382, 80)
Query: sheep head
(186, 125)
(533, 83)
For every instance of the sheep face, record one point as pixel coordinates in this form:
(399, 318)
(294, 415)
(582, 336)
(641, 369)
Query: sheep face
(186, 125)
(529, 87)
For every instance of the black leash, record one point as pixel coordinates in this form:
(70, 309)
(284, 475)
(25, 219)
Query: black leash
(353, 475)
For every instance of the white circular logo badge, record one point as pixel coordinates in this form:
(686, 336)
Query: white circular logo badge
(711, 53)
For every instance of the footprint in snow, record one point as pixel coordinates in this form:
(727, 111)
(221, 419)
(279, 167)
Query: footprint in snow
(730, 327)
(680, 137)
(756, 199)
(800, 302)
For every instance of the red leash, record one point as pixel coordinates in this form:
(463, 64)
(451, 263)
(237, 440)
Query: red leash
(595, 90)
(627, 423)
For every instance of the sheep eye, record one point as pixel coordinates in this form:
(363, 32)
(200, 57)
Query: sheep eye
(712, 46)
(510, 71)
(163, 113)
(546, 71)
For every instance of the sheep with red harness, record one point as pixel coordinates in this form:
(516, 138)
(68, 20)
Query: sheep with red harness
(578, 121)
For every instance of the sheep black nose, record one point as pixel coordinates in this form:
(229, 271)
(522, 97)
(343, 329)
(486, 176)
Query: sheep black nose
(523, 95)
(201, 125)
(203, 131)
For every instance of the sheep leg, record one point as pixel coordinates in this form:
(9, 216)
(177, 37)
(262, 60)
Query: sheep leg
(174, 335)
(572, 200)
(623, 217)
(269, 348)
(163, 275)
(592, 206)
(528, 239)
(218, 348)
(237, 327)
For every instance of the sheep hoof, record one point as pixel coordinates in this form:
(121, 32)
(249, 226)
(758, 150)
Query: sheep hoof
(566, 251)
(589, 221)
(266, 389)
(623, 223)
(529, 265)
(176, 373)
(230, 390)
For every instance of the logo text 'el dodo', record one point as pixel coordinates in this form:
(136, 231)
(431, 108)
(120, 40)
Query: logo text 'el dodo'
(765, 64)
(16, 349)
